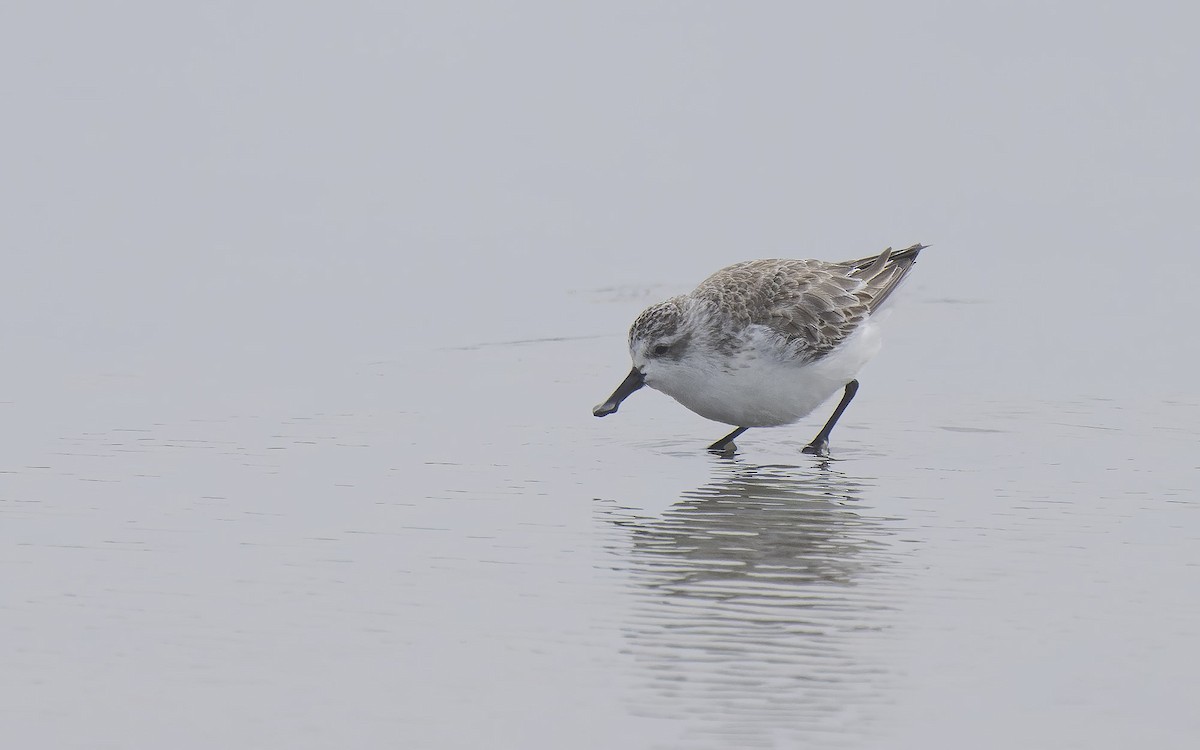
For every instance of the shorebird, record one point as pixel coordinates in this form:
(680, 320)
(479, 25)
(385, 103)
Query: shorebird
(765, 342)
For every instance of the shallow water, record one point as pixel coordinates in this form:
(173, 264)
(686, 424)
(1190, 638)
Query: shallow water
(302, 324)
(533, 577)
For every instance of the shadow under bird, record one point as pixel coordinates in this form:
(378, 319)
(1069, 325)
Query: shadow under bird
(765, 342)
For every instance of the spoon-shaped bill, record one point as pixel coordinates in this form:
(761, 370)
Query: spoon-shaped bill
(634, 380)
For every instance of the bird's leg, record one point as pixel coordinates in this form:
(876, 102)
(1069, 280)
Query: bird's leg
(820, 444)
(725, 444)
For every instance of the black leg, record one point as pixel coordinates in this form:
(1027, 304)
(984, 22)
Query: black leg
(725, 444)
(820, 444)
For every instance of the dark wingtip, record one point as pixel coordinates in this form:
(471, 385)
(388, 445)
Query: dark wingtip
(909, 252)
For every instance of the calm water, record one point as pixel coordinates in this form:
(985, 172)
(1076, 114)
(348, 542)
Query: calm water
(468, 567)
(303, 313)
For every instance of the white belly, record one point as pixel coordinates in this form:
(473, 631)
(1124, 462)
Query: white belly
(763, 390)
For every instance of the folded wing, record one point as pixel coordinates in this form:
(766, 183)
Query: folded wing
(812, 306)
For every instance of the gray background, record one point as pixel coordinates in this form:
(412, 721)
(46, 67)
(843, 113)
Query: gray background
(303, 308)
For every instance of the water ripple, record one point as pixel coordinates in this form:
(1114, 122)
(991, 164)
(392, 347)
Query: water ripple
(755, 599)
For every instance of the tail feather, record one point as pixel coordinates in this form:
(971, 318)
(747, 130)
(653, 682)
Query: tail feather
(883, 273)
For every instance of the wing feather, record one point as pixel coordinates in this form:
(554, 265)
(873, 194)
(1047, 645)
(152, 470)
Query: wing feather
(811, 305)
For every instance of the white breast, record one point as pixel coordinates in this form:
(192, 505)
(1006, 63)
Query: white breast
(760, 388)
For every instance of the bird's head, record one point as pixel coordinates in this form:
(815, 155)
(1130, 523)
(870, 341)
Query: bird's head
(658, 345)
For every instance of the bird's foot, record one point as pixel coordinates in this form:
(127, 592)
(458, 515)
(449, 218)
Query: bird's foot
(723, 449)
(817, 448)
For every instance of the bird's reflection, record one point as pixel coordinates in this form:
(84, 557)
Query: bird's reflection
(757, 600)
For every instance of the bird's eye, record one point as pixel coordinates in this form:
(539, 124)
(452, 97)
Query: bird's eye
(661, 349)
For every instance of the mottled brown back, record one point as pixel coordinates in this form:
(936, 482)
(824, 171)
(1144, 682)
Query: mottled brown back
(812, 304)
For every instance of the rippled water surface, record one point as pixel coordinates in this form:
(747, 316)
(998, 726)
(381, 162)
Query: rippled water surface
(443, 572)
(303, 311)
